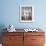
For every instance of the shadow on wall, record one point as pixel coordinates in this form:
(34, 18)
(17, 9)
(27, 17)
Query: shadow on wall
(2, 26)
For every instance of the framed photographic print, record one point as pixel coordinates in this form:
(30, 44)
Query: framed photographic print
(26, 13)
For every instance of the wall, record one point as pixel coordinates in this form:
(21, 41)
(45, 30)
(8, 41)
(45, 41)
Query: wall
(9, 13)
